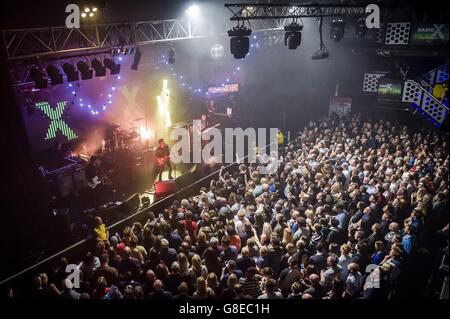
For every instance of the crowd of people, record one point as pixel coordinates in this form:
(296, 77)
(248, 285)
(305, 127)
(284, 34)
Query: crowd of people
(356, 209)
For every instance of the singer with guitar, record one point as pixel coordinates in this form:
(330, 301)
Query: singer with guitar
(163, 158)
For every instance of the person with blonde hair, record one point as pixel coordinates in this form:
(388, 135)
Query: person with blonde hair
(197, 269)
(228, 292)
(266, 234)
(288, 238)
(203, 291)
(213, 283)
(184, 263)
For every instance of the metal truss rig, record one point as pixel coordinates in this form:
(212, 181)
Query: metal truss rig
(30, 43)
(38, 42)
(256, 11)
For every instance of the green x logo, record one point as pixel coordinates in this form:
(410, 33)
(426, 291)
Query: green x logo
(56, 122)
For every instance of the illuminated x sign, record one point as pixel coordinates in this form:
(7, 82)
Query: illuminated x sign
(56, 122)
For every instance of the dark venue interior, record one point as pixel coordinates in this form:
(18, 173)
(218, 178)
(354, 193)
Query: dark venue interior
(220, 149)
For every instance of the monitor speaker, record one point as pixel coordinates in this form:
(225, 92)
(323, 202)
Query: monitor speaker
(164, 188)
(130, 205)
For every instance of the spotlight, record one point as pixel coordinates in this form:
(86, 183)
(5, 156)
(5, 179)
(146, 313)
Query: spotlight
(361, 29)
(239, 41)
(172, 55)
(94, 9)
(193, 11)
(100, 70)
(293, 35)
(83, 15)
(54, 75)
(137, 60)
(71, 72)
(337, 29)
(320, 54)
(38, 78)
(91, 14)
(87, 10)
(113, 67)
(86, 73)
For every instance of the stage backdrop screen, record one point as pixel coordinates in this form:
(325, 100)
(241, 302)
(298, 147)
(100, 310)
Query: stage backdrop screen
(429, 34)
(389, 91)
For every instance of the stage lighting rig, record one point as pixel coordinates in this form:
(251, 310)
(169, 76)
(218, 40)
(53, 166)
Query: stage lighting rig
(322, 53)
(193, 11)
(90, 9)
(54, 75)
(86, 72)
(112, 66)
(71, 72)
(293, 35)
(136, 60)
(171, 55)
(239, 41)
(98, 67)
(337, 29)
(38, 78)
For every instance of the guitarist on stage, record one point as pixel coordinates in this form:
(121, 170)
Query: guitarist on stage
(163, 158)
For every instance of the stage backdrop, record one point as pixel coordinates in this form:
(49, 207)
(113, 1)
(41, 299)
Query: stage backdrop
(81, 111)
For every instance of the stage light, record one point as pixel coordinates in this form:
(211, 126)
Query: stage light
(361, 29)
(83, 15)
(293, 35)
(163, 104)
(322, 53)
(337, 29)
(172, 55)
(217, 51)
(193, 11)
(239, 41)
(91, 14)
(54, 75)
(87, 10)
(113, 67)
(100, 70)
(136, 60)
(94, 9)
(71, 72)
(86, 72)
(38, 78)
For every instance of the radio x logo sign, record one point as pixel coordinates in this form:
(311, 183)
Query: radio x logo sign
(439, 31)
(56, 122)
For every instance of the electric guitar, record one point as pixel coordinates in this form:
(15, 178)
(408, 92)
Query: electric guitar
(94, 182)
(160, 161)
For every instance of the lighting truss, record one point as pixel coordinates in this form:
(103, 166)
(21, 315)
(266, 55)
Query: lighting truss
(30, 43)
(50, 41)
(252, 11)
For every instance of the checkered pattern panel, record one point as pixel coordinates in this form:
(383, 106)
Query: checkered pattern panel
(429, 77)
(411, 93)
(442, 75)
(381, 32)
(434, 109)
(397, 33)
(371, 81)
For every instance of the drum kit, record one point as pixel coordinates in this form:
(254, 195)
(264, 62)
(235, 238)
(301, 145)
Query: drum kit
(117, 138)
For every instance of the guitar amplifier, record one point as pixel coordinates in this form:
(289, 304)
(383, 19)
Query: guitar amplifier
(164, 189)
